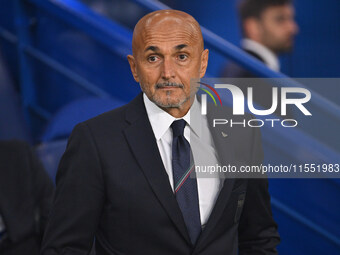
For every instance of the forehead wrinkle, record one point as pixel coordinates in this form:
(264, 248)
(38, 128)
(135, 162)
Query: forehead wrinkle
(174, 46)
(179, 38)
(163, 39)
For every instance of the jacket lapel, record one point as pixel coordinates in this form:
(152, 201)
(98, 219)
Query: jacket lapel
(144, 147)
(226, 156)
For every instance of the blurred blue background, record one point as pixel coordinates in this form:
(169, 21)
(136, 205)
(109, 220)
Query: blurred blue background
(64, 61)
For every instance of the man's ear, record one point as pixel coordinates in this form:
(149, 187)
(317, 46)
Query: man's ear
(204, 62)
(252, 29)
(133, 67)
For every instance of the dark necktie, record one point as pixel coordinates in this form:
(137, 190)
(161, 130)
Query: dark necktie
(185, 188)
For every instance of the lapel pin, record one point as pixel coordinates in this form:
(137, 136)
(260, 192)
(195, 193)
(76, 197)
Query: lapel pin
(224, 134)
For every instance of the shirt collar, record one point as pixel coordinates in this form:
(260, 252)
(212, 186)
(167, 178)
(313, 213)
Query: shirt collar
(161, 121)
(266, 54)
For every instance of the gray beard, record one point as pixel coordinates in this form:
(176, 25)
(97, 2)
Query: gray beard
(168, 104)
(161, 104)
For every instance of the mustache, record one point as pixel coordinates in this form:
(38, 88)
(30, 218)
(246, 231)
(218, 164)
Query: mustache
(169, 84)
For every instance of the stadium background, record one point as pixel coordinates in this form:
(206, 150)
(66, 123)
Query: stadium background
(64, 61)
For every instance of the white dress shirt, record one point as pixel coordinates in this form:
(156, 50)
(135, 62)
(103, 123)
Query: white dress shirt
(198, 135)
(268, 56)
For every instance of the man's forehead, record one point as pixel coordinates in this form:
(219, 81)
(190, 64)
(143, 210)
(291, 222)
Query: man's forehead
(170, 24)
(287, 8)
(166, 27)
(175, 37)
(163, 16)
(156, 48)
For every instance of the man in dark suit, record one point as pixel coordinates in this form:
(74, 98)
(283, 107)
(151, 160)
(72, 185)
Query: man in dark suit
(25, 198)
(124, 178)
(269, 29)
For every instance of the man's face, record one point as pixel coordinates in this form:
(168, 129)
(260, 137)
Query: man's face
(168, 55)
(278, 28)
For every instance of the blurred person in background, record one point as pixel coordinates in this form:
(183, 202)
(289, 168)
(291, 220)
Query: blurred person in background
(25, 197)
(268, 28)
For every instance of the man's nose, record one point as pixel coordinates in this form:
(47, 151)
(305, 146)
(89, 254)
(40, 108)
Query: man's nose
(168, 70)
(294, 27)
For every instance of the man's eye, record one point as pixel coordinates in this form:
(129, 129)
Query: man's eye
(280, 19)
(182, 57)
(152, 58)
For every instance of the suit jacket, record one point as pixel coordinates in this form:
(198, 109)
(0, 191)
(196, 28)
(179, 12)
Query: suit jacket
(233, 70)
(25, 198)
(111, 184)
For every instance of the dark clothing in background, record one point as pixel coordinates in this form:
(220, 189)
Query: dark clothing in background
(233, 70)
(12, 122)
(262, 93)
(25, 196)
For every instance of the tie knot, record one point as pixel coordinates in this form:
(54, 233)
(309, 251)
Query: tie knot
(178, 127)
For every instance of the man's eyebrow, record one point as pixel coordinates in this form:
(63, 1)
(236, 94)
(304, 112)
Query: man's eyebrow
(181, 46)
(156, 49)
(152, 48)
